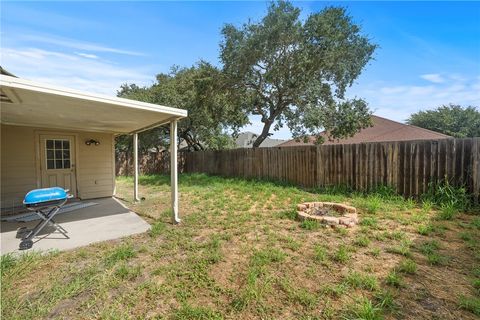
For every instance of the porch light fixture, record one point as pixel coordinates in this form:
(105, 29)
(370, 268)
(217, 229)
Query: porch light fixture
(92, 141)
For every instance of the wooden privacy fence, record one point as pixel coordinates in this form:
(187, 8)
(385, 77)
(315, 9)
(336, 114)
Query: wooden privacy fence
(407, 166)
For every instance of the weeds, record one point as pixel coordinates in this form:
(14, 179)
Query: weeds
(385, 299)
(239, 254)
(471, 304)
(364, 309)
(121, 253)
(402, 249)
(430, 250)
(447, 211)
(362, 281)
(446, 194)
(187, 311)
(7, 262)
(425, 229)
(394, 279)
(362, 241)
(408, 266)
(320, 253)
(342, 255)
(372, 203)
(371, 222)
(310, 224)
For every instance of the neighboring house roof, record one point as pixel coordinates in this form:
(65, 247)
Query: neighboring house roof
(246, 140)
(381, 131)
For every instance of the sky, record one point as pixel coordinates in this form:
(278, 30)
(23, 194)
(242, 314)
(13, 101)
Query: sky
(428, 55)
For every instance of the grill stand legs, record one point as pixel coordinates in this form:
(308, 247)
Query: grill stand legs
(47, 218)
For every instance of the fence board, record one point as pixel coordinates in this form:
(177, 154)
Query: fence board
(407, 166)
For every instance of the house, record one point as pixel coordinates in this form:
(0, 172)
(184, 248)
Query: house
(53, 136)
(382, 130)
(246, 139)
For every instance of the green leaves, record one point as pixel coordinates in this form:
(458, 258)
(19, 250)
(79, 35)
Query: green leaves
(296, 73)
(200, 89)
(453, 120)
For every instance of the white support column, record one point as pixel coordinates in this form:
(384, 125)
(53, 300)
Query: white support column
(173, 170)
(135, 167)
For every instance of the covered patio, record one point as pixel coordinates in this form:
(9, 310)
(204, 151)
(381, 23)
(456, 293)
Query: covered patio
(106, 219)
(52, 136)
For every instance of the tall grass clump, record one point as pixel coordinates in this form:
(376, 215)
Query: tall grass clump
(444, 194)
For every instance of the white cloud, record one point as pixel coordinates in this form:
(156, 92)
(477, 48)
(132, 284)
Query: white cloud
(399, 102)
(75, 44)
(72, 70)
(433, 77)
(87, 55)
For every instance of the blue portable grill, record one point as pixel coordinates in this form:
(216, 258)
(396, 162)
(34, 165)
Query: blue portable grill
(46, 203)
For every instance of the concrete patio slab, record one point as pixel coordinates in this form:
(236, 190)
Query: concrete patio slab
(107, 220)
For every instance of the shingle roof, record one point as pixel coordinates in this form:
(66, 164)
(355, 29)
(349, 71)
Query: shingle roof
(381, 131)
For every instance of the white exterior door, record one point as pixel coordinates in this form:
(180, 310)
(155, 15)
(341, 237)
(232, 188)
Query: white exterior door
(57, 162)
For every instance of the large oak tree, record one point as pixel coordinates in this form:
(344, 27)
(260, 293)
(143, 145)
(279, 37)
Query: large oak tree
(296, 72)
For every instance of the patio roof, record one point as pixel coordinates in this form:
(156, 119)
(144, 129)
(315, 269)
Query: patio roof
(29, 103)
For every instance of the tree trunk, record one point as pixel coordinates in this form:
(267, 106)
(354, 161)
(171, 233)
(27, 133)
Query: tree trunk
(264, 134)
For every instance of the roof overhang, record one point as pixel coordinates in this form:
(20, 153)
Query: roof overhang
(29, 103)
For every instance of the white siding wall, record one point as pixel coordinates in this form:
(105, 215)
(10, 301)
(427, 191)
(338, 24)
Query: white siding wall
(18, 164)
(95, 171)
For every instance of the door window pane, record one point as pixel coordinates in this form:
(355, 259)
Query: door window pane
(57, 153)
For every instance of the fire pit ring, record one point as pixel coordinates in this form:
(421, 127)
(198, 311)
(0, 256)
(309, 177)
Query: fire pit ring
(330, 213)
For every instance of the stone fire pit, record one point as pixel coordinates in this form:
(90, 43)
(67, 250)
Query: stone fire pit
(330, 213)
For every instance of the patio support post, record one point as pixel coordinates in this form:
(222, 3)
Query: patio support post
(173, 170)
(135, 167)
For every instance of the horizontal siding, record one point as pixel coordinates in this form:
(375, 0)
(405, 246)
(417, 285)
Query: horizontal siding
(95, 168)
(18, 164)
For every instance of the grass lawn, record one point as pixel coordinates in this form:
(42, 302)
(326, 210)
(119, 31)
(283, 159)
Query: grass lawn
(239, 253)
